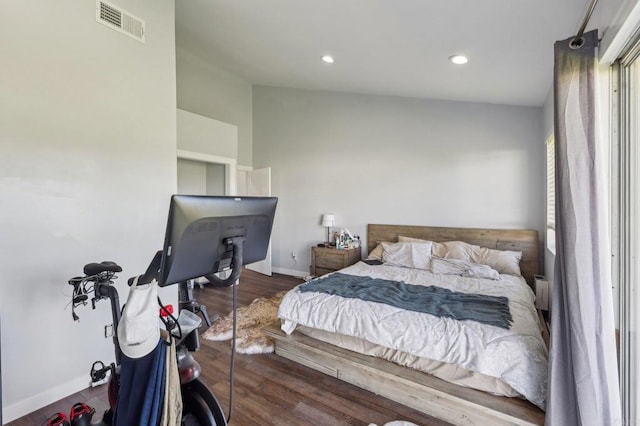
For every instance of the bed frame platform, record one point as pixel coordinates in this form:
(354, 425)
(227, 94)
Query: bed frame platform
(420, 391)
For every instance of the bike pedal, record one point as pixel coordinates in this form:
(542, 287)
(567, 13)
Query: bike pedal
(58, 419)
(81, 414)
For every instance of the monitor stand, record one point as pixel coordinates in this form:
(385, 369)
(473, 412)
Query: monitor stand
(188, 302)
(185, 289)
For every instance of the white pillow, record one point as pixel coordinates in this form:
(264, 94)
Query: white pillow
(463, 268)
(376, 253)
(503, 261)
(409, 255)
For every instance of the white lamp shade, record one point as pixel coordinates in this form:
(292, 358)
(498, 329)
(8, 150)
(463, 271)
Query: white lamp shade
(328, 219)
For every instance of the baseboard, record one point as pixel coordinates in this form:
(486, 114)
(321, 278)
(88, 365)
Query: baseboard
(36, 402)
(293, 273)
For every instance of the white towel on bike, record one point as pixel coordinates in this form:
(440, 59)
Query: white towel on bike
(172, 408)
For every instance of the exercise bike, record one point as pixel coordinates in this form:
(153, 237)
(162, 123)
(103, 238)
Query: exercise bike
(200, 406)
(205, 235)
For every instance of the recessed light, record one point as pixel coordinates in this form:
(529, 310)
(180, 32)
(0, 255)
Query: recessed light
(459, 59)
(328, 59)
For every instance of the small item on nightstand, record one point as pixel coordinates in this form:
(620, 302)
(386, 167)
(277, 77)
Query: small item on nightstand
(322, 245)
(347, 240)
(340, 240)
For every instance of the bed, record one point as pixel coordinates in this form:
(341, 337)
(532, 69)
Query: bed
(470, 359)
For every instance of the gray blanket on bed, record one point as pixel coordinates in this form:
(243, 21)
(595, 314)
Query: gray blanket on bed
(438, 301)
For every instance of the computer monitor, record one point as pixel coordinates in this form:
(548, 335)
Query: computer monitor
(199, 229)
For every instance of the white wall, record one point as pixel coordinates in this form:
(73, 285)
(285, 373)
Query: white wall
(211, 91)
(204, 135)
(192, 177)
(87, 164)
(215, 179)
(376, 159)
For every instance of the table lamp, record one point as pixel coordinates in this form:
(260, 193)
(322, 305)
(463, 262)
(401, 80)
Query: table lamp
(328, 220)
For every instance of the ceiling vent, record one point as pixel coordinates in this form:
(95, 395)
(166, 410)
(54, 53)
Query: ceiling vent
(120, 20)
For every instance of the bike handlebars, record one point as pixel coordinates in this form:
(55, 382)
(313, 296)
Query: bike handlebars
(152, 272)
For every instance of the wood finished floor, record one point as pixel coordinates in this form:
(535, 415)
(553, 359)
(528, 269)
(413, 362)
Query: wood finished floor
(268, 389)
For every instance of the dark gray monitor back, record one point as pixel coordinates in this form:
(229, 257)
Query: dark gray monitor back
(199, 226)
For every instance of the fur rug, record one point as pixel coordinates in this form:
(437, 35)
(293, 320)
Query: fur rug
(250, 319)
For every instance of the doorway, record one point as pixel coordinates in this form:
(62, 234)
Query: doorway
(200, 178)
(256, 183)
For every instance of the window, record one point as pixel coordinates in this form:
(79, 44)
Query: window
(627, 211)
(551, 194)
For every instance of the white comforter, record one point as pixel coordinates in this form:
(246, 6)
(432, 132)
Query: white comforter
(517, 356)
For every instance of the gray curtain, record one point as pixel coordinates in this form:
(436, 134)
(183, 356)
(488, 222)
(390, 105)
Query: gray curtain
(583, 376)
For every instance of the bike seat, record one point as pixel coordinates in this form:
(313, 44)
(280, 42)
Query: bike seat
(106, 266)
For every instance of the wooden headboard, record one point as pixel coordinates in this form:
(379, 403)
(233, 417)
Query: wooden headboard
(522, 240)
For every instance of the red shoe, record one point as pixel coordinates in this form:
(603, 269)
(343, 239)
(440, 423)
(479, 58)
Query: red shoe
(81, 414)
(58, 419)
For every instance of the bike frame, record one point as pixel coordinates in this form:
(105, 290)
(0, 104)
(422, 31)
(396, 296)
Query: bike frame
(197, 397)
(107, 290)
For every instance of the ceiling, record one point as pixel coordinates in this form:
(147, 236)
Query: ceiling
(387, 47)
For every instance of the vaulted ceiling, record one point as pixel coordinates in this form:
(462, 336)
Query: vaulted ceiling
(389, 47)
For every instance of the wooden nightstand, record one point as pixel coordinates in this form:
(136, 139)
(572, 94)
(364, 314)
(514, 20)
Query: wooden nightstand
(327, 259)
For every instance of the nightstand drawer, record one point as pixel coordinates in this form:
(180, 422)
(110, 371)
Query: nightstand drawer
(322, 271)
(327, 259)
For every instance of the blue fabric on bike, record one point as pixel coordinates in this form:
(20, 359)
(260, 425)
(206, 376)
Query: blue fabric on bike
(437, 301)
(142, 385)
